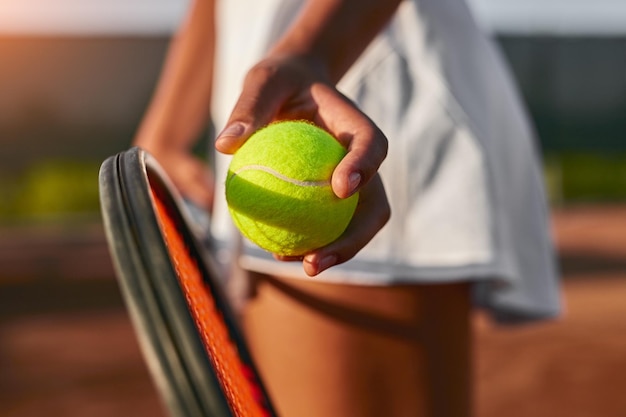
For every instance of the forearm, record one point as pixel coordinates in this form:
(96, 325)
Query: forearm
(180, 107)
(333, 33)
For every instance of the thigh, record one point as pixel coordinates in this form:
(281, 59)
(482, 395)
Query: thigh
(344, 350)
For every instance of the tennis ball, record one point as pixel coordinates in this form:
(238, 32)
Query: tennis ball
(278, 189)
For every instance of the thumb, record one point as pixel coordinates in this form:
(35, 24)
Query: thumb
(262, 96)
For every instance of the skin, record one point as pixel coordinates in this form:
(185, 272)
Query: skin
(322, 349)
(180, 106)
(295, 80)
(362, 351)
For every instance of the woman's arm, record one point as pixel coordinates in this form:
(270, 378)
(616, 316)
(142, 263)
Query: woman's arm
(333, 33)
(180, 107)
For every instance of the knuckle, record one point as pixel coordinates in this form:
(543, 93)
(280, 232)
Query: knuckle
(261, 71)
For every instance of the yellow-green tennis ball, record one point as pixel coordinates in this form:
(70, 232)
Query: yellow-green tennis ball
(278, 189)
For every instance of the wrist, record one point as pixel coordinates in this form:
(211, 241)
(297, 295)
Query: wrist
(308, 62)
(331, 34)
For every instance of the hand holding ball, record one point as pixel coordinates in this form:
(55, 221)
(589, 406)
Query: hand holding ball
(278, 189)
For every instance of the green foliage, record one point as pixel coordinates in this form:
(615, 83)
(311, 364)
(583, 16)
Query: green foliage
(51, 189)
(586, 177)
(8, 190)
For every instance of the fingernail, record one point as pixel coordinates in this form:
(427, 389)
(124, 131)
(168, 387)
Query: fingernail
(234, 130)
(353, 181)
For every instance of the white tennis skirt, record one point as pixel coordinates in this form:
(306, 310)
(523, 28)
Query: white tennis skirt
(462, 174)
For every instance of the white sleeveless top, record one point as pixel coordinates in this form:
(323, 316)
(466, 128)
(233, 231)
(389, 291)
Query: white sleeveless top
(462, 174)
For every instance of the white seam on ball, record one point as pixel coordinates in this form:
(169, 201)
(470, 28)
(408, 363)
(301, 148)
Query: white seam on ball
(282, 177)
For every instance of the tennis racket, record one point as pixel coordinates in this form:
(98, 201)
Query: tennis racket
(186, 329)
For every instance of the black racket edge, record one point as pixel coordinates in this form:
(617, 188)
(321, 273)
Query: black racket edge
(137, 276)
(186, 379)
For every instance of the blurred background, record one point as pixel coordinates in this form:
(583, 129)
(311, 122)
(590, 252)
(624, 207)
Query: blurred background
(75, 78)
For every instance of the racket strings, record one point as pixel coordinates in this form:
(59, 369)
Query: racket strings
(237, 380)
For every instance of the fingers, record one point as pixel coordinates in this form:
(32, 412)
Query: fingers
(279, 89)
(366, 144)
(264, 93)
(267, 97)
(371, 215)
